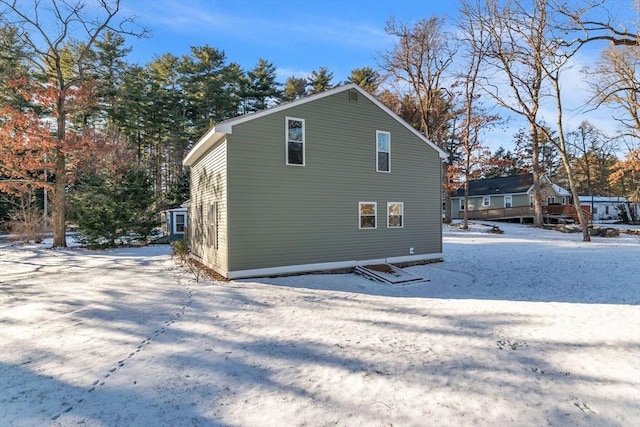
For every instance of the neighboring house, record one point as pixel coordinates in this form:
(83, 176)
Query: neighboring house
(329, 181)
(174, 223)
(511, 198)
(608, 208)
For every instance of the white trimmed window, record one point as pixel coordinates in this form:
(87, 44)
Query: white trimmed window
(383, 151)
(180, 222)
(212, 225)
(395, 214)
(462, 204)
(367, 214)
(486, 200)
(508, 201)
(295, 141)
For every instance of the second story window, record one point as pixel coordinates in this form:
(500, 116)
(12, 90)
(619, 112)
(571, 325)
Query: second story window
(295, 141)
(383, 151)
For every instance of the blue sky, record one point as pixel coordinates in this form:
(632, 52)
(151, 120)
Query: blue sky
(296, 36)
(299, 36)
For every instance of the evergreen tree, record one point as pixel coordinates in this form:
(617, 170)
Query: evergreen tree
(294, 88)
(320, 80)
(263, 90)
(503, 163)
(366, 78)
(110, 203)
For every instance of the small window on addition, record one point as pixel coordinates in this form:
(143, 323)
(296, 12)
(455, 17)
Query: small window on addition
(367, 214)
(180, 223)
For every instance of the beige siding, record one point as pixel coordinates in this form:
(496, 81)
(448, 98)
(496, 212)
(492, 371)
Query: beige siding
(288, 215)
(209, 193)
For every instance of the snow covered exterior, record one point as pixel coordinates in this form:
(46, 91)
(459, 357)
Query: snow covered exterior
(510, 196)
(608, 208)
(329, 181)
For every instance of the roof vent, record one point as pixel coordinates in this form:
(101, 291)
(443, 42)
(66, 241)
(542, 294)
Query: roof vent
(353, 96)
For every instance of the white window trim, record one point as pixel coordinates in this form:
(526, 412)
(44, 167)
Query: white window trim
(375, 214)
(286, 141)
(488, 199)
(462, 204)
(505, 201)
(379, 132)
(175, 222)
(401, 214)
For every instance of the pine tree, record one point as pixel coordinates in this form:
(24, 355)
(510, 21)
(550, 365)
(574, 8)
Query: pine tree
(263, 90)
(320, 80)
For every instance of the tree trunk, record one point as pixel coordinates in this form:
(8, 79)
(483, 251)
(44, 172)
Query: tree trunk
(59, 206)
(465, 215)
(538, 219)
(582, 218)
(447, 196)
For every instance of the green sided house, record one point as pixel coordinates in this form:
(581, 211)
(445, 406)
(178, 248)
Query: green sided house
(511, 198)
(330, 181)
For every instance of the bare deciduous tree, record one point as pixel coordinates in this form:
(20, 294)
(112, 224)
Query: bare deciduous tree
(417, 67)
(514, 71)
(593, 22)
(474, 118)
(59, 36)
(615, 81)
(419, 60)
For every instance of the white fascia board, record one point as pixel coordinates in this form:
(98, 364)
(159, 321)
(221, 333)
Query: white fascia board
(209, 139)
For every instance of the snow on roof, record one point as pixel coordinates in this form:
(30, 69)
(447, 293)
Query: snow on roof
(560, 191)
(602, 199)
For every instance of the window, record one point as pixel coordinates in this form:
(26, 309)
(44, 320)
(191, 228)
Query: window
(212, 225)
(508, 201)
(395, 214)
(462, 204)
(367, 212)
(295, 141)
(551, 200)
(486, 200)
(383, 151)
(179, 222)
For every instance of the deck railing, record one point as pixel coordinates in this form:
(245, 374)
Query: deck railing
(551, 211)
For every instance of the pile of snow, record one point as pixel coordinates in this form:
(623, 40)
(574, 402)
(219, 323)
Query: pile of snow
(529, 327)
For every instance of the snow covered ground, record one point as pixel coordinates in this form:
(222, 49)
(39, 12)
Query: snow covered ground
(530, 327)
